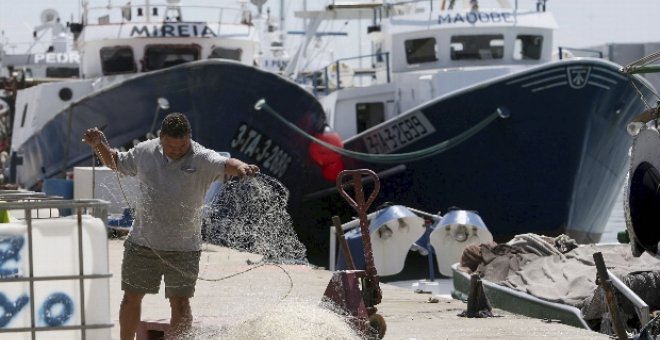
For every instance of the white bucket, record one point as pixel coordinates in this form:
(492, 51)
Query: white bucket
(57, 303)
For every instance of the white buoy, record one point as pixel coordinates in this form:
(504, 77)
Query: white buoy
(393, 231)
(456, 230)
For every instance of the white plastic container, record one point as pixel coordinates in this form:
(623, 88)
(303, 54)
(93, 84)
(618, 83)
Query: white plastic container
(57, 303)
(101, 183)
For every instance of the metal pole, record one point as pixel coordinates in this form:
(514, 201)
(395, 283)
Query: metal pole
(342, 243)
(612, 304)
(28, 215)
(81, 271)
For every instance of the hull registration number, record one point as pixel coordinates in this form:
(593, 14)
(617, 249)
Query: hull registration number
(399, 133)
(262, 149)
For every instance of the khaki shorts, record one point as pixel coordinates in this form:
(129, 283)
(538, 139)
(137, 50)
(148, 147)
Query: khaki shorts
(143, 268)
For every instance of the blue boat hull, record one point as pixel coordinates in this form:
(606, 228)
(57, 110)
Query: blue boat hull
(218, 97)
(554, 166)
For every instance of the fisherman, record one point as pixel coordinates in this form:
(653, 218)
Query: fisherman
(165, 241)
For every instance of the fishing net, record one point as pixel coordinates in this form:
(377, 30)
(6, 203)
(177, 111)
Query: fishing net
(250, 215)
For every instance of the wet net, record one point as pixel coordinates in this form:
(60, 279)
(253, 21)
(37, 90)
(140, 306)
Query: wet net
(250, 215)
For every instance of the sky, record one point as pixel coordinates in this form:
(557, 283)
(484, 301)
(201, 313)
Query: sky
(582, 23)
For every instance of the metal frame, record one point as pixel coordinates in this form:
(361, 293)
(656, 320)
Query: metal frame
(29, 201)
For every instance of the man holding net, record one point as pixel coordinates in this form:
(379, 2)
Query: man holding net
(174, 173)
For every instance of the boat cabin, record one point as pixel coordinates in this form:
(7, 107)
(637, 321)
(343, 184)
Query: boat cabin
(131, 39)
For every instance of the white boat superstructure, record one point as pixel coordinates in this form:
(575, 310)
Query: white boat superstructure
(420, 54)
(43, 59)
(131, 39)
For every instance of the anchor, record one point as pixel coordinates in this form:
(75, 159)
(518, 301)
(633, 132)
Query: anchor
(344, 287)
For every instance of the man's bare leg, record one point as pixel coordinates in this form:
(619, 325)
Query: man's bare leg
(181, 317)
(129, 315)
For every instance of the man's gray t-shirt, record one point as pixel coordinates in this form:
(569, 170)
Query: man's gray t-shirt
(171, 195)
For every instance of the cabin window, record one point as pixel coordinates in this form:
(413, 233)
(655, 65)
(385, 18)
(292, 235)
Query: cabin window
(157, 57)
(117, 59)
(62, 72)
(226, 53)
(368, 115)
(477, 47)
(528, 47)
(420, 50)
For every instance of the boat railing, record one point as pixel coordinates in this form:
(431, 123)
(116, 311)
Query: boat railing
(584, 50)
(172, 13)
(641, 308)
(335, 75)
(26, 204)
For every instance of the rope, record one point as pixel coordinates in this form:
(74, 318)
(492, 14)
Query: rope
(252, 268)
(637, 66)
(641, 95)
(640, 63)
(387, 158)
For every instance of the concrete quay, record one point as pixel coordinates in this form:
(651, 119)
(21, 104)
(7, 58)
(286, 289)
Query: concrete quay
(224, 300)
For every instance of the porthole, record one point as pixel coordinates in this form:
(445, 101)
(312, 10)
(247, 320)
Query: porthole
(65, 94)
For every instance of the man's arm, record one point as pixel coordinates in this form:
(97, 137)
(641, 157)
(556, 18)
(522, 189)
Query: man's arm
(96, 139)
(235, 167)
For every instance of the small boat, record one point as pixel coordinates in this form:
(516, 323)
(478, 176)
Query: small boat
(532, 275)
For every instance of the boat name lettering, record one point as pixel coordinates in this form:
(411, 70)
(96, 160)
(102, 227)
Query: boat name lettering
(173, 30)
(57, 58)
(476, 17)
(262, 149)
(398, 134)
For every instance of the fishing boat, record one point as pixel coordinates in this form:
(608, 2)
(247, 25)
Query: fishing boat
(473, 107)
(140, 61)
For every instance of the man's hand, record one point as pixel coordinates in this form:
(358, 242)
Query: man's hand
(247, 170)
(235, 167)
(94, 137)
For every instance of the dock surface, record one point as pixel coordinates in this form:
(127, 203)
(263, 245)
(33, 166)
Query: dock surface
(224, 300)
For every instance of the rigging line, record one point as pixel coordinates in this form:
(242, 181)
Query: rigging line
(641, 95)
(642, 61)
(317, 52)
(388, 158)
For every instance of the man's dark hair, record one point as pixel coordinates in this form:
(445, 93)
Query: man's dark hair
(175, 125)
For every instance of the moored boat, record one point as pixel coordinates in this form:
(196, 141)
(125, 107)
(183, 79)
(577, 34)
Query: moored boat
(140, 61)
(472, 108)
